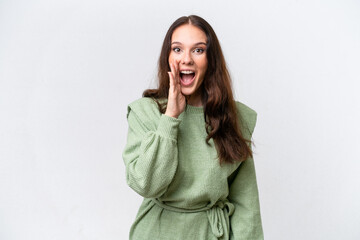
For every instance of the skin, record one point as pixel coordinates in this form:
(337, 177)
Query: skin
(188, 51)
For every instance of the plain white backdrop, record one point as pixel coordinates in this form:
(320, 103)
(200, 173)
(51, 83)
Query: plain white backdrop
(69, 68)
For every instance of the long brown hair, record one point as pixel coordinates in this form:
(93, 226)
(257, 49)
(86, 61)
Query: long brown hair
(219, 106)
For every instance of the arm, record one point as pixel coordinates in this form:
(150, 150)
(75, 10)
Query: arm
(150, 154)
(245, 223)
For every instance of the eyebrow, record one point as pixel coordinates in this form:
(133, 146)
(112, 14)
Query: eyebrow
(198, 43)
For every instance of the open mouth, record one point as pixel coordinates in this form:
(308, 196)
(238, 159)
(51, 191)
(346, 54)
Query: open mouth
(187, 77)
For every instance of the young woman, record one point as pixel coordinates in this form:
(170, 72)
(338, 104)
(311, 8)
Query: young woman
(188, 151)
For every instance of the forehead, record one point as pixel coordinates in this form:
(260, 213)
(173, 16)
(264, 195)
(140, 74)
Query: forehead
(188, 34)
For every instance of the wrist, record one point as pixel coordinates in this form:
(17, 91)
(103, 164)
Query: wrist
(171, 115)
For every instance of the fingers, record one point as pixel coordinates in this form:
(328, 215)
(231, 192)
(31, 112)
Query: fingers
(171, 80)
(172, 67)
(177, 72)
(174, 75)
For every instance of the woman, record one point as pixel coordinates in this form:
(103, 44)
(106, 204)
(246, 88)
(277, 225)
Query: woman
(188, 150)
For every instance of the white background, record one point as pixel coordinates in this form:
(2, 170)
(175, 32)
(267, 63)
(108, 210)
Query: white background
(68, 69)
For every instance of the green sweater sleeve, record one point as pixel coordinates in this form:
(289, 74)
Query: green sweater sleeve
(150, 154)
(245, 223)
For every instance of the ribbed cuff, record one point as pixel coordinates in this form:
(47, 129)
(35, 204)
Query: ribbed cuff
(168, 126)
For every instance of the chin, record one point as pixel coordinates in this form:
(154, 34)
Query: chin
(186, 93)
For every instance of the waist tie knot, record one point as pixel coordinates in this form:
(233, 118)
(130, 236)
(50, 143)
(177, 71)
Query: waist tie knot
(220, 217)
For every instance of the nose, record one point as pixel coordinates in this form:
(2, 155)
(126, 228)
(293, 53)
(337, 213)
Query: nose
(187, 59)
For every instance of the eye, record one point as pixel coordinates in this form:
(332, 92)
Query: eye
(176, 49)
(199, 50)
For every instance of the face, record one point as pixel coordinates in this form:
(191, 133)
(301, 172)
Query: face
(188, 46)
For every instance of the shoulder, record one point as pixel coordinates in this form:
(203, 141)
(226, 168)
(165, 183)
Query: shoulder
(245, 110)
(247, 116)
(144, 110)
(144, 107)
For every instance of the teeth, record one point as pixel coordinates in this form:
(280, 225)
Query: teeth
(187, 72)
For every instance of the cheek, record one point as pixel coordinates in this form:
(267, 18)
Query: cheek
(203, 65)
(172, 57)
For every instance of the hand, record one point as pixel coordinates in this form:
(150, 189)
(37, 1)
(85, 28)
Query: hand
(176, 100)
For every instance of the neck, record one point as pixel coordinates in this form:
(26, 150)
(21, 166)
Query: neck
(194, 100)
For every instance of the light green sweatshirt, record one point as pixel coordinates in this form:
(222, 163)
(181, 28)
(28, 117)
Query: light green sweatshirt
(187, 194)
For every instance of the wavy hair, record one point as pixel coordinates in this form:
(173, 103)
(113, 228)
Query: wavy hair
(222, 121)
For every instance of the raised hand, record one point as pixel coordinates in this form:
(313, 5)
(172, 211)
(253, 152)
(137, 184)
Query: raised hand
(176, 100)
